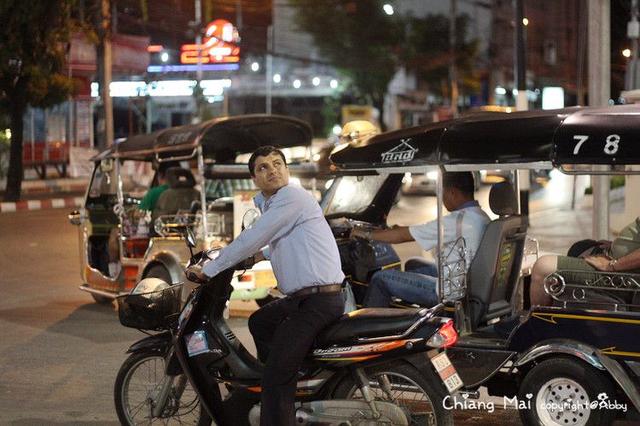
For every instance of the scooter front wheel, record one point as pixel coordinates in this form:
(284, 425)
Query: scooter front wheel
(145, 395)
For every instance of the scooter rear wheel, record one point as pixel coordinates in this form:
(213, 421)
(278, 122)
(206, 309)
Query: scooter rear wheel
(402, 384)
(137, 388)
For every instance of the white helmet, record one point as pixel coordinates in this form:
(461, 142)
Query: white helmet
(358, 131)
(149, 285)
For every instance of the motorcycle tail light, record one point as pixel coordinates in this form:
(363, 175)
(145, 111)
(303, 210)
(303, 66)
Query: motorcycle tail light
(445, 337)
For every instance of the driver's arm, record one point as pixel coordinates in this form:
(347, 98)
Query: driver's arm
(395, 235)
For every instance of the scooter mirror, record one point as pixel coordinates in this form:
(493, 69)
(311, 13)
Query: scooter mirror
(191, 238)
(250, 217)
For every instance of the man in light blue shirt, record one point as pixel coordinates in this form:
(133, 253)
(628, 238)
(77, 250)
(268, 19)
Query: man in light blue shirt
(306, 262)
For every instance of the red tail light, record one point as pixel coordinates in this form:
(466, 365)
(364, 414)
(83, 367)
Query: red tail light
(445, 337)
(130, 275)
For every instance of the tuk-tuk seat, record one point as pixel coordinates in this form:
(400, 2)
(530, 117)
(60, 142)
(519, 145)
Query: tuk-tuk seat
(179, 195)
(495, 268)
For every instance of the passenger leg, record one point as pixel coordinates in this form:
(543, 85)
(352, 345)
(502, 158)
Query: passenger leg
(543, 267)
(421, 266)
(408, 286)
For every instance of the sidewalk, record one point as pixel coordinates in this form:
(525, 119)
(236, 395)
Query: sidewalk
(40, 194)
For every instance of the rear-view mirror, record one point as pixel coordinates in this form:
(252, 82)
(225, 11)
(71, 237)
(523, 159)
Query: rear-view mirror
(250, 217)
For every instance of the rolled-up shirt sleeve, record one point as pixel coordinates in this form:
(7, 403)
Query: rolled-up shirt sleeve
(281, 216)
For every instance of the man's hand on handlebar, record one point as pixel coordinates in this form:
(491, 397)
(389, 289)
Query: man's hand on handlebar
(196, 274)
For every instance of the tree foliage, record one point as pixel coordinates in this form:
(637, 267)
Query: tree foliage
(359, 39)
(34, 37)
(428, 54)
(368, 46)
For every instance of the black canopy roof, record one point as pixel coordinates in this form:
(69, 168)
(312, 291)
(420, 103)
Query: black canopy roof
(538, 136)
(224, 138)
(221, 138)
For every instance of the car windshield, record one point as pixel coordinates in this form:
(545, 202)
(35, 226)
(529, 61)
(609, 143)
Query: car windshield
(351, 194)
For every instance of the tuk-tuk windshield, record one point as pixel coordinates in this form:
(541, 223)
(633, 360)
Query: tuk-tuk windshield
(136, 178)
(350, 195)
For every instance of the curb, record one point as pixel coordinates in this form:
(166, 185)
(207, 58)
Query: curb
(53, 188)
(53, 203)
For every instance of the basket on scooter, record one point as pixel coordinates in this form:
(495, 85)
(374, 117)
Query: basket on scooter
(149, 310)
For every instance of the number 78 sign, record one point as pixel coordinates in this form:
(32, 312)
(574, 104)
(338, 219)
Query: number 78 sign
(611, 144)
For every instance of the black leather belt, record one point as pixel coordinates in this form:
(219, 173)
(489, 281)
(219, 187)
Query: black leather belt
(326, 288)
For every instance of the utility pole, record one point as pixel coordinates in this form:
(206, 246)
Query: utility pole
(198, 30)
(582, 53)
(632, 79)
(453, 73)
(522, 103)
(599, 94)
(105, 113)
(269, 70)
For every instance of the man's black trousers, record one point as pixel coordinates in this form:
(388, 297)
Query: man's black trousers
(284, 331)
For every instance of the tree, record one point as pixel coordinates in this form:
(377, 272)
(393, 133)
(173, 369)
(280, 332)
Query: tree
(34, 36)
(427, 53)
(359, 39)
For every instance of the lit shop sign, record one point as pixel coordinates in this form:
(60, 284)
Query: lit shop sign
(132, 89)
(219, 45)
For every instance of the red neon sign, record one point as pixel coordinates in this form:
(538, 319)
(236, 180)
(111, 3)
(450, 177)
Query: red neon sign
(219, 45)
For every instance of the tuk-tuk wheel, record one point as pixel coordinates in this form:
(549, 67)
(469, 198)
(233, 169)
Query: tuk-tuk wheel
(565, 391)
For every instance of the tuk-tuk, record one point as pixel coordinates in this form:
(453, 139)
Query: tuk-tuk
(573, 363)
(209, 189)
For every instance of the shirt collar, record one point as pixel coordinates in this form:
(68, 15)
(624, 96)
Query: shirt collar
(471, 203)
(259, 200)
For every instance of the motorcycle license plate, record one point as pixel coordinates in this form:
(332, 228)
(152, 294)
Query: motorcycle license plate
(447, 372)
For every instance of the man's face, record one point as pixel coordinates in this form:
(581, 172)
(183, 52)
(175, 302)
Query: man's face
(270, 173)
(450, 198)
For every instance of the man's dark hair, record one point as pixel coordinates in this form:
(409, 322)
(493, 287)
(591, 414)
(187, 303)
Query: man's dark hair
(462, 181)
(263, 151)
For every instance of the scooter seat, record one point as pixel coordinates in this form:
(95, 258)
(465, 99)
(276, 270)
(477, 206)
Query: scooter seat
(369, 322)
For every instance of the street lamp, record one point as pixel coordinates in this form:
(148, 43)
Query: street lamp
(626, 53)
(388, 9)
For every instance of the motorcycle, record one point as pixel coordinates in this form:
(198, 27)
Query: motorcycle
(372, 366)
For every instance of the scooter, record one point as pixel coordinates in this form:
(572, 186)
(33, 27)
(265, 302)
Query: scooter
(372, 366)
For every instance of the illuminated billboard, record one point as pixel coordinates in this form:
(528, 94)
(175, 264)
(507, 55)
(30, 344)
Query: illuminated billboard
(220, 44)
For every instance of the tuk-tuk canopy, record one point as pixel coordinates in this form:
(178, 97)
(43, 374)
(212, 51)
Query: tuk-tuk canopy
(529, 139)
(222, 139)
